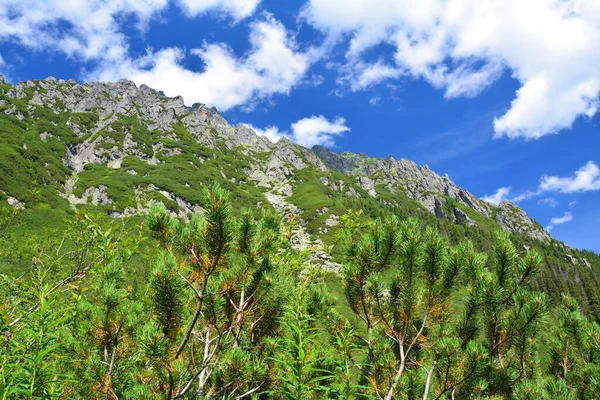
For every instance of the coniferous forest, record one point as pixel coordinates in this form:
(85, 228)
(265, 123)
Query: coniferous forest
(222, 306)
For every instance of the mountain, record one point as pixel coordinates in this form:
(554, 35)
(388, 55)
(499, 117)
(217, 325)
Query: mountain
(125, 128)
(117, 147)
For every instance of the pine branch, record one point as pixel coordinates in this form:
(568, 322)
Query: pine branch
(428, 381)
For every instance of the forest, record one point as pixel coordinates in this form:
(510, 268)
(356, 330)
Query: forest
(222, 306)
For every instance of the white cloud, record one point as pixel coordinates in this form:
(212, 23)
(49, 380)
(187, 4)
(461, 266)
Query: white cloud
(552, 48)
(90, 29)
(238, 9)
(319, 130)
(272, 66)
(548, 201)
(585, 179)
(465, 81)
(500, 195)
(573, 203)
(374, 100)
(560, 220)
(361, 75)
(526, 195)
(80, 29)
(314, 80)
(307, 132)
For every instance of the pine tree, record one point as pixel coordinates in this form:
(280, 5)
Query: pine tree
(231, 310)
(505, 311)
(223, 268)
(575, 351)
(404, 313)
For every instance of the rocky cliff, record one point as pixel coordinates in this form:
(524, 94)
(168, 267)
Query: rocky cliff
(126, 145)
(439, 195)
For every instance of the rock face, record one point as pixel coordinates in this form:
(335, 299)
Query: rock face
(109, 100)
(571, 259)
(122, 109)
(431, 190)
(514, 219)
(462, 218)
(14, 202)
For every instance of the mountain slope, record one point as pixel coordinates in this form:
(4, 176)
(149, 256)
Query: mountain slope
(116, 147)
(123, 127)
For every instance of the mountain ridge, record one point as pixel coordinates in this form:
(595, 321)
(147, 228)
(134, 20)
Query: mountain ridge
(117, 148)
(159, 113)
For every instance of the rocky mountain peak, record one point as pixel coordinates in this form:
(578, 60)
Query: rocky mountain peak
(115, 122)
(438, 194)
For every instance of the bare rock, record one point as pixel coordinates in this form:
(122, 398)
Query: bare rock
(277, 170)
(332, 220)
(462, 218)
(514, 219)
(367, 184)
(14, 202)
(571, 259)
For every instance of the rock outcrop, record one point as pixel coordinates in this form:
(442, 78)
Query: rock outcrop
(431, 190)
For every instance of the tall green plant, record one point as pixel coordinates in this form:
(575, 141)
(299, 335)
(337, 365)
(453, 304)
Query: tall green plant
(216, 296)
(33, 353)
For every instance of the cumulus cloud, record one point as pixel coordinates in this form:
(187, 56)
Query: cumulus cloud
(319, 130)
(585, 179)
(500, 195)
(308, 132)
(273, 65)
(560, 220)
(551, 47)
(90, 30)
(238, 9)
(80, 29)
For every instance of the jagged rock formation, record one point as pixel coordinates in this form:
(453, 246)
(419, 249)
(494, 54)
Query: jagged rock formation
(429, 189)
(514, 219)
(121, 134)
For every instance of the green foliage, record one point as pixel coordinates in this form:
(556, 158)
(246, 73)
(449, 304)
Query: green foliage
(220, 305)
(29, 171)
(300, 375)
(36, 139)
(31, 362)
(229, 309)
(575, 352)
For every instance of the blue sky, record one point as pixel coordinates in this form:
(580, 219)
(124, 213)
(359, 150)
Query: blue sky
(501, 95)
